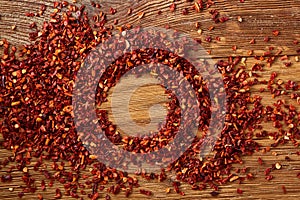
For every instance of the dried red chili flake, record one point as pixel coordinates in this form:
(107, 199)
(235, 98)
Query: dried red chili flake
(215, 14)
(287, 158)
(198, 5)
(65, 4)
(269, 177)
(116, 22)
(267, 39)
(223, 19)
(145, 192)
(250, 52)
(267, 53)
(32, 25)
(95, 196)
(43, 185)
(239, 191)
(40, 197)
(176, 187)
(93, 4)
(185, 11)
(275, 32)
(260, 161)
(172, 7)
(58, 194)
(29, 14)
(284, 189)
(288, 64)
(234, 48)
(6, 178)
(295, 42)
(20, 194)
(43, 7)
(214, 193)
(208, 39)
(211, 28)
(285, 57)
(112, 11)
(209, 3)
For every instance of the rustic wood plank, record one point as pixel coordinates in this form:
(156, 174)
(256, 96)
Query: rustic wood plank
(260, 19)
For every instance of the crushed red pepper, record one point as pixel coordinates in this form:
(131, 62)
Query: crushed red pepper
(49, 64)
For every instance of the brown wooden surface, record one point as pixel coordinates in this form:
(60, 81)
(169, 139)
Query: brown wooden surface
(260, 18)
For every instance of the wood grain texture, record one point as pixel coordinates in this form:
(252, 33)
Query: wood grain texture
(260, 18)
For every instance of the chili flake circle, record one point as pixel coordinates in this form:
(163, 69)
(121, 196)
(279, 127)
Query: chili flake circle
(168, 42)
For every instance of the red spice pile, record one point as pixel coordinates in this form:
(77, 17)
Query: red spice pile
(37, 120)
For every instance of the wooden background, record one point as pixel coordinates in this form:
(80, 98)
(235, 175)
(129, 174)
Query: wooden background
(260, 18)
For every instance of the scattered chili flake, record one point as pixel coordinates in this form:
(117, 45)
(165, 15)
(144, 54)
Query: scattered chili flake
(28, 14)
(112, 11)
(145, 192)
(295, 42)
(234, 48)
(260, 161)
(198, 5)
(185, 11)
(40, 197)
(209, 3)
(239, 191)
(267, 39)
(287, 158)
(208, 39)
(283, 189)
(214, 193)
(6, 178)
(288, 64)
(172, 7)
(211, 28)
(275, 32)
(269, 177)
(252, 41)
